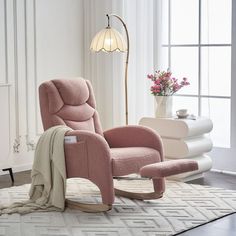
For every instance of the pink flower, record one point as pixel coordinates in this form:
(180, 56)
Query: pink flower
(158, 81)
(164, 84)
(150, 76)
(184, 82)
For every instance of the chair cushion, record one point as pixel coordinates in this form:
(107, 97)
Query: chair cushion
(129, 160)
(73, 92)
(69, 102)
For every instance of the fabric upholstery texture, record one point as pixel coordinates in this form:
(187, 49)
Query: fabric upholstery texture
(129, 160)
(69, 102)
(134, 136)
(168, 168)
(96, 159)
(96, 156)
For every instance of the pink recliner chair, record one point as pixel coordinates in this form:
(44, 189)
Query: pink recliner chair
(99, 156)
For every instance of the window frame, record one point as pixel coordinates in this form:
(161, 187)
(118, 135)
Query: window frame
(199, 46)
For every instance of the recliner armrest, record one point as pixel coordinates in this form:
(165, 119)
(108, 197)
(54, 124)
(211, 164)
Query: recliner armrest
(134, 136)
(93, 140)
(88, 156)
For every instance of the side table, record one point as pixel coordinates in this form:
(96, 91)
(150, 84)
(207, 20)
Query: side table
(184, 138)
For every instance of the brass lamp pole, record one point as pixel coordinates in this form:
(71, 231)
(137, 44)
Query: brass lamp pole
(110, 40)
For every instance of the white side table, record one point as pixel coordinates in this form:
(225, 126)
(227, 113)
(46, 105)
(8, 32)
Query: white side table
(184, 138)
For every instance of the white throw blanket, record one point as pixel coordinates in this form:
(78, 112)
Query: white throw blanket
(48, 187)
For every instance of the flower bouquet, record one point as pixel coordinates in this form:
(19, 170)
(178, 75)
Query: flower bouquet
(164, 84)
(163, 87)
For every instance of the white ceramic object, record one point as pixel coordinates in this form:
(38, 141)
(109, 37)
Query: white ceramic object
(182, 113)
(164, 106)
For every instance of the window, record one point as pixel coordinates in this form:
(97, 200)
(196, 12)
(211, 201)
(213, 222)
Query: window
(197, 44)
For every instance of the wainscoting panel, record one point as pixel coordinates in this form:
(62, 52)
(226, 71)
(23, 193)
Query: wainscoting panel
(3, 41)
(4, 126)
(21, 65)
(39, 40)
(31, 75)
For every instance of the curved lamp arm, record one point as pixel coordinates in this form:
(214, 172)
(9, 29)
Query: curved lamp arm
(126, 63)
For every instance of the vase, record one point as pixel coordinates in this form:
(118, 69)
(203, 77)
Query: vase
(163, 106)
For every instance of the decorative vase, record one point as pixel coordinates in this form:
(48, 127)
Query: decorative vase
(164, 106)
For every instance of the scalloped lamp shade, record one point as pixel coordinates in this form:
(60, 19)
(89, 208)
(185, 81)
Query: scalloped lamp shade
(108, 40)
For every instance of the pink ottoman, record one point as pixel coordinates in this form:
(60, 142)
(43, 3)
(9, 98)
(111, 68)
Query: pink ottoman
(168, 168)
(158, 171)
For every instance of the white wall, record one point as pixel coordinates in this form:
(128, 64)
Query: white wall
(233, 80)
(39, 40)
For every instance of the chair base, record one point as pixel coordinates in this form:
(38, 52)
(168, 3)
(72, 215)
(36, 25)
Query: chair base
(138, 196)
(86, 207)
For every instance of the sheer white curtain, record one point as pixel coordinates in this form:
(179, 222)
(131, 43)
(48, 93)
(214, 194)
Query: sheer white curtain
(106, 70)
(98, 66)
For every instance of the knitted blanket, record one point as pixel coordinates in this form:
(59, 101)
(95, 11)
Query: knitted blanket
(48, 187)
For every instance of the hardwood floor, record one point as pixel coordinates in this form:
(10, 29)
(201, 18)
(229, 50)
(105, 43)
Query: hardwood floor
(219, 180)
(222, 227)
(225, 226)
(20, 179)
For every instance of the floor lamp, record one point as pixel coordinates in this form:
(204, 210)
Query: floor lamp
(110, 40)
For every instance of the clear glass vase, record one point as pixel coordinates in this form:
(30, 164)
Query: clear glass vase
(164, 106)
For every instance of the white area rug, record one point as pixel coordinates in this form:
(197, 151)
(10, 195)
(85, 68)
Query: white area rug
(183, 206)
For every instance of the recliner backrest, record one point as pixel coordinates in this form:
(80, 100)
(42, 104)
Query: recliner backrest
(69, 102)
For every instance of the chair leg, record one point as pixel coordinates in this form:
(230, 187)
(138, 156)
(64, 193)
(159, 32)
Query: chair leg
(159, 185)
(10, 172)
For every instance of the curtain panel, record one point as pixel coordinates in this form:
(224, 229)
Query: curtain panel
(106, 70)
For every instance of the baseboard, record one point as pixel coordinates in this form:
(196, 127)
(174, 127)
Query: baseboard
(18, 168)
(224, 172)
(188, 178)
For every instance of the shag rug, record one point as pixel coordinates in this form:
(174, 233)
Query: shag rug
(184, 206)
